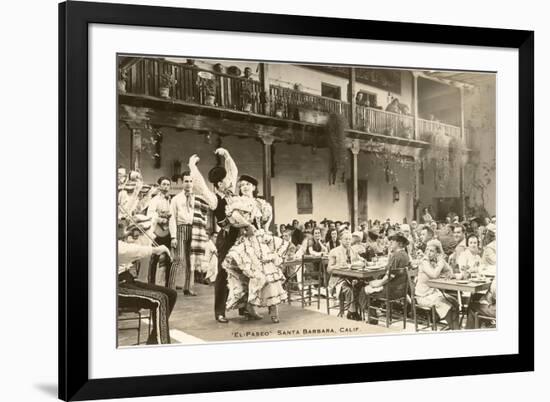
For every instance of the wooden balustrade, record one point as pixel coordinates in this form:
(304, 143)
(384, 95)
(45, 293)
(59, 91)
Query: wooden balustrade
(147, 77)
(292, 104)
(378, 121)
(152, 77)
(429, 128)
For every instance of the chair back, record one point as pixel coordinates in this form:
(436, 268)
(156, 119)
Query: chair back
(315, 269)
(412, 275)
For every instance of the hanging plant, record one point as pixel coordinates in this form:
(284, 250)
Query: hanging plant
(336, 136)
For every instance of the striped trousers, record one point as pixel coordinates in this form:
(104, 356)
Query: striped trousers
(163, 262)
(182, 259)
(158, 299)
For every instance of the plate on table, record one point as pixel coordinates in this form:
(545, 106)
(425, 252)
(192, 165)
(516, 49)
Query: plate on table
(479, 280)
(462, 281)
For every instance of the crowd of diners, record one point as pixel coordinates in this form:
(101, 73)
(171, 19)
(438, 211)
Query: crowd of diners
(452, 249)
(155, 229)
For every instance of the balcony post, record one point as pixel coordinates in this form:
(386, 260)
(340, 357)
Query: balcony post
(355, 148)
(415, 104)
(416, 192)
(267, 141)
(462, 142)
(264, 86)
(351, 98)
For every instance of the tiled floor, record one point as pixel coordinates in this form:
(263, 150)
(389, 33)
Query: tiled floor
(192, 321)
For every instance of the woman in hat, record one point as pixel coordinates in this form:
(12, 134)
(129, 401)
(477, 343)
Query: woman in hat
(395, 276)
(253, 263)
(433, 266)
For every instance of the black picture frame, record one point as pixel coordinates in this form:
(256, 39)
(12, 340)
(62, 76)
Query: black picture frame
(74, 18)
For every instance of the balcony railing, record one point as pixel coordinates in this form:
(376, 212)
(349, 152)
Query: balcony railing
(189, 85)
(429, 128)
(381, 122)
(160, 78)
(297, 105)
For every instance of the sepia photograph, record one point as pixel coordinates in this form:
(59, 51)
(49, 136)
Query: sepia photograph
(263, 200)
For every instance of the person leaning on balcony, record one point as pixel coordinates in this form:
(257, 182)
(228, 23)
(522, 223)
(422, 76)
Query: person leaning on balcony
(393, 106)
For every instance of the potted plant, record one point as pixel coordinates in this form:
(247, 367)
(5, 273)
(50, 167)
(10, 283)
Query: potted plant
(208, 86)
(166, 82)
(122, 77)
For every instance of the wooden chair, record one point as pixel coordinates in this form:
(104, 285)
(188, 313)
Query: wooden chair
(478, 319)
(388, 301)
(430, 312)
(133, 314)
(341, 305)
(309, 275)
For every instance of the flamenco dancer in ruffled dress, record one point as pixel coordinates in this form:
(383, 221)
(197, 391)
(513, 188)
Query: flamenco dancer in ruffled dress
(253, 264)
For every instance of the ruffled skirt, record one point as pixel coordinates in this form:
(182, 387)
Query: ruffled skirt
(254, 272)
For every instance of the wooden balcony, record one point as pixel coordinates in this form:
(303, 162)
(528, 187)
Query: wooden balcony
(297, 105)
(427, 129)
(187, 84)
(378, 121)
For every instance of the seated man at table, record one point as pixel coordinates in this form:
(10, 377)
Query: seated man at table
(483, 304)
(343, 257)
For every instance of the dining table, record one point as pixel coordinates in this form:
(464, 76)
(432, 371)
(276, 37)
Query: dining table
(362, 273)
(461, 286)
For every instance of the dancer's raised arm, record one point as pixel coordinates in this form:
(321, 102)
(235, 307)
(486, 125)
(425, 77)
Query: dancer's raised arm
(200, 187)
(230, 168)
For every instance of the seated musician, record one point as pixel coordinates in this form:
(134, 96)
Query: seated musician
(135, 294)
(343, 257)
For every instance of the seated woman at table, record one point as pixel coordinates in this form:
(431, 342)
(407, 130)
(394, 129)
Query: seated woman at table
(344, 257)
(489, 256)
(469, 260)
(433, 266)
(317, 247)
(395, 276)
